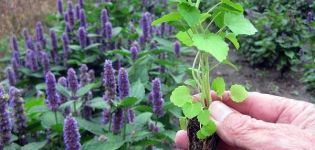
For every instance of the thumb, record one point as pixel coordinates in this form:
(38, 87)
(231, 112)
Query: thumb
(237, 129)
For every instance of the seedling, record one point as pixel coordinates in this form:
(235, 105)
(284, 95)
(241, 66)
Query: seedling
(207, 33)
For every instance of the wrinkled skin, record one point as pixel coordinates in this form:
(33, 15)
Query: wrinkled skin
(260, 122)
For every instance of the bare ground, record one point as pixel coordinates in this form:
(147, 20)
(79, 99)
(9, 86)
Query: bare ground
(265, 80)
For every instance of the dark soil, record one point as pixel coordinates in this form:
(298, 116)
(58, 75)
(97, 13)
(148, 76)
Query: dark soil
(267, 81)
(194, 143)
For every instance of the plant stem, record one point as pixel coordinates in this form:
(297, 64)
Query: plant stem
(56, 117)
(110, 121)
(75, 108)
(197, 3)
(212, 8)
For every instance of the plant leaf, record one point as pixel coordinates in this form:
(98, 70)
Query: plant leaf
(61, 89)
(238, 24)
(218, 85)
(138, 90)
(128, 102)
(212, 44)
(173, 16)
(184, 37)
(238, 93)
(233, 39)
(235, 6)
(204, 117)
(191, 110)
(180, 96)
(190, 14)
(34, 145)
(208, 129)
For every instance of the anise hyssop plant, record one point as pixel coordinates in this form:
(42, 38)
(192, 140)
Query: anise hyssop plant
(208, 33)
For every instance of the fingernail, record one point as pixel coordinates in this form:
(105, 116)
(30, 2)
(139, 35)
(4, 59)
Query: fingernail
(219, 111)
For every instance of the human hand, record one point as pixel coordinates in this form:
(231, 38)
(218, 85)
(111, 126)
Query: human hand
(262, 121)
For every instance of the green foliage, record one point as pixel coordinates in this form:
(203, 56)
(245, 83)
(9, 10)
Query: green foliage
(198, 31)
(283, 31)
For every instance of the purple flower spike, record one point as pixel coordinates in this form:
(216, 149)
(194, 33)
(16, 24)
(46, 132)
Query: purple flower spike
(52, 99)
(70, 13)
(157, 100)
(163, 56)
(54, 46)
(123, 83)
(106, 116)
(118, 120)
(20, 122)
(45, 62)
(60, 6)
(82, 18)
(145, 24)
(84, 75)
(72, 81)
(66, 17)
(62, 81)
(310, 17)
(136, 44)
(71, 134)
(14, 44)
(131, 115)
(11, 77)
(108, 30)
(153, 127)
(65, 44)
(15, 67)
(25, 34)
(31, 60)
(40, 34)
(177, 48)
(109, 81)
(134, 52)
(92, 75)
(5, 123)
(30, 44)
(81, 3)
(68, 29)
(82, 37)
(77, 11)
(163, 29)
(104, 17)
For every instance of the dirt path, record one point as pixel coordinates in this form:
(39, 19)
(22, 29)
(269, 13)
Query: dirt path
(265, 81)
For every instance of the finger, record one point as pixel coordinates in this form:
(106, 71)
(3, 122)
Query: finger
(267, 107)
(245, 132)
(181, 139)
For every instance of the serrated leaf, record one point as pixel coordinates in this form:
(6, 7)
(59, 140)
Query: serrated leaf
(48, 119)
(191, 110)
(128, 102)
(190, 14)
(238, 24)
(212, 44)
(90, 126)
(218, 85)
(208, 129)
(85, 89)
(238, 93)
(173, 16)
(138, 90)
(180, 96)
(61, 89)
(34, 145)
(203, 117)
(184, 37)
(233, 39)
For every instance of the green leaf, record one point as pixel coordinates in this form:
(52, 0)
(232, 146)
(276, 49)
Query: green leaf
(48, 119)
(98, 103)
(61, 89)
(95, 45)
(191, 110)
(180, 96)
(235, 6)
(85, 89)
(233, 39)
(204, 117)
(75, 47)
(173, 16)
(191, 83)
(218, 85)
(138, 90)
(208, 129)
(108, 142)
(184, 37)
(238, 24)
(34, 145)
(116, 31)
(183, 122)
(128, 102)
(190, 14)
(212, 44)
(227, 62)
(200, 135)
(90, 126)
(238, 93)
(204, 17)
